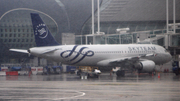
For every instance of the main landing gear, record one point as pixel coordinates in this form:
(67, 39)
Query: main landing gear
(120, 73)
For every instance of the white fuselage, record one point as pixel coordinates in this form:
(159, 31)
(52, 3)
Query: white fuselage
(90, 55)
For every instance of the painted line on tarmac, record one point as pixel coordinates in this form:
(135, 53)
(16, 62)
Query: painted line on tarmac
(18, 96)
(82, 94)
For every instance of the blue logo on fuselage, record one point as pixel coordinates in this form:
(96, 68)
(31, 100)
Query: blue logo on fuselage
(79, 53)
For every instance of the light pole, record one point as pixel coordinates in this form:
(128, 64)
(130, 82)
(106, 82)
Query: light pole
(93, 21)
(98, 16)
(174, 15)
(93, 17)
(167, 16)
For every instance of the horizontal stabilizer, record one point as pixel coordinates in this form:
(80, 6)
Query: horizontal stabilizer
(19, 50)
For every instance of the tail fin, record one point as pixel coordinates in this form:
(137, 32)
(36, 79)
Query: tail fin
(43, 37)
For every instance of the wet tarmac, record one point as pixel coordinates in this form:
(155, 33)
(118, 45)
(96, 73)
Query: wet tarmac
(69, 87)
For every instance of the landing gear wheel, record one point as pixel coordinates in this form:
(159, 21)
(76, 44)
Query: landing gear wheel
(120, 73)
(96, 76)
(152, 73)
(177, 73)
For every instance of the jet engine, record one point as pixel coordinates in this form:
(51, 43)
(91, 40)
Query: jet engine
(145, 66)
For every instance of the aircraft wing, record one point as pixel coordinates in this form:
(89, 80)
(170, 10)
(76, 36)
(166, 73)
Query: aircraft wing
(19, 50)
(124, 60)
(118, 61)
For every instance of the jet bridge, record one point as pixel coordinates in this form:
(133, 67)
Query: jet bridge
(168, 40)
(125, 38)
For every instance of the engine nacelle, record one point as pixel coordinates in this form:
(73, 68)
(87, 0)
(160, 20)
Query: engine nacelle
(145, 66)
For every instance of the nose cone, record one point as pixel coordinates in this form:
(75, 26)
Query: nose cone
(168, 57)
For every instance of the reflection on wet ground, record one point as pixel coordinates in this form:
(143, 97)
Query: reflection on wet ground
(69, 87)
(103, 77)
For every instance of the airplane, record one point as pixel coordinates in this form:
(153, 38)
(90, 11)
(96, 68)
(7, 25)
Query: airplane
(140, 57)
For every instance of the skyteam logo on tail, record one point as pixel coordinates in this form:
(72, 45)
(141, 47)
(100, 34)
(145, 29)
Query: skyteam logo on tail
(76, 55)
(41, 31)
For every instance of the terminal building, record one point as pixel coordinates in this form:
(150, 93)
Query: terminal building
(70, 22)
